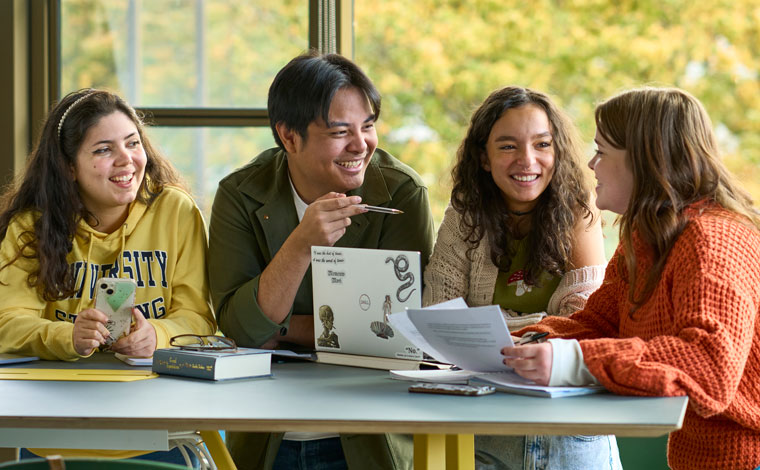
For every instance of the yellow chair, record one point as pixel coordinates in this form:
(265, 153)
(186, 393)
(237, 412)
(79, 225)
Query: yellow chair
(57, 463)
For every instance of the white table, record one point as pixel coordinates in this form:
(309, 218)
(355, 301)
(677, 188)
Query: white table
(304, 397)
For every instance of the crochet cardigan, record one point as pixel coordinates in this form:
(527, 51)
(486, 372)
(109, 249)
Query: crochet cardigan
(697, 335)
(450, 274)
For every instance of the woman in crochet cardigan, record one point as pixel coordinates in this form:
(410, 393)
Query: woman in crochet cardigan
(677, 312)
(520, 233)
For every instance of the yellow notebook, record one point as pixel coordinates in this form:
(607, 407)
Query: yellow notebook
(77, 375)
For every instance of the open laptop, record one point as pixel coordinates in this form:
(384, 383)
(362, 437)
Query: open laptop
(355, 289)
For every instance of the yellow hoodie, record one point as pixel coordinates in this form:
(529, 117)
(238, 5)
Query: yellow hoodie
(162, 247)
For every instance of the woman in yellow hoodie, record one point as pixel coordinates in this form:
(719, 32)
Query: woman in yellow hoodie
(97, 200)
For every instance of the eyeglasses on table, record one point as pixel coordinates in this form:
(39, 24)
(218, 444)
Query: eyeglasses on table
(203, 342)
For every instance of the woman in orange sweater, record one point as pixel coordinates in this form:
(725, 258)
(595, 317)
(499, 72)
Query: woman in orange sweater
(677, 313)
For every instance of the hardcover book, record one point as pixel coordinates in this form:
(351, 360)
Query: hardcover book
(213, 365)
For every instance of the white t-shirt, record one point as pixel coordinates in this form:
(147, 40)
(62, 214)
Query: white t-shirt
(304, 436)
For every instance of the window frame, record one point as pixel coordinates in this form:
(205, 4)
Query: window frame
(30, 83)
(320, 19)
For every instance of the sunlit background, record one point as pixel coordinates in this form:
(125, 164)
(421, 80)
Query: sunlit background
(434, 61)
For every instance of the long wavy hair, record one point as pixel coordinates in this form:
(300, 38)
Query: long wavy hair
(562, 204)
(672, 152)
(46, 187)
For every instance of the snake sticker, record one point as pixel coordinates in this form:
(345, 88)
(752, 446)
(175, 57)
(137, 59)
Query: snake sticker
(400, 268)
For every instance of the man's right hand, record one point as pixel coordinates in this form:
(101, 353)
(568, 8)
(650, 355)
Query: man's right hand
(323, 223)
(326, 219)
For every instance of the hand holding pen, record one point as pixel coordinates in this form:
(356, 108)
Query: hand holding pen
(533, 338)
(530, 358)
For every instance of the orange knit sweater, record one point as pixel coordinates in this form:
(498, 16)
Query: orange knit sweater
(697, 335)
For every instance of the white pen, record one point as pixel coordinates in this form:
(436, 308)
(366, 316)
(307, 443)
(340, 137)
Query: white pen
(384, 210)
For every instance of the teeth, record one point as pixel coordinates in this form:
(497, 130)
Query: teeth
(351, 164)
(525, 179)
(121, 179)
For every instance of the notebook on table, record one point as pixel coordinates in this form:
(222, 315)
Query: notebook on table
(15, 359)
(355, 290)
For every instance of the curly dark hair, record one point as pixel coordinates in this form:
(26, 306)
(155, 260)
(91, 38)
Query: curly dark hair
(47, 189)
(673, 154)
(562, 204)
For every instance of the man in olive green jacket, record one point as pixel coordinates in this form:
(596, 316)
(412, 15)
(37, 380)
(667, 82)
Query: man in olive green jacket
(308, 192)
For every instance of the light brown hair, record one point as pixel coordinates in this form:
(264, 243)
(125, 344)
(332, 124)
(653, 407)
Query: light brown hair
(673, 154)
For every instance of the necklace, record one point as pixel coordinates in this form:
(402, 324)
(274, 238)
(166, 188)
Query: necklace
(519, 213)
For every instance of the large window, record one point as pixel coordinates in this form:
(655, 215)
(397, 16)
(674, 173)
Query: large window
(435, 61)
(205, 155)
(209, 60)
(205, 66)
(181, 53)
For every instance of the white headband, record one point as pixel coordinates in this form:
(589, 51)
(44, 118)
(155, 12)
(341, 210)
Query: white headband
(60, 123)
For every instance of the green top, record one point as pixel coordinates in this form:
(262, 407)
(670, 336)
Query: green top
(511, 291)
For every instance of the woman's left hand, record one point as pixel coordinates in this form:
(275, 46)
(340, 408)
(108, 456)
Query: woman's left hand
(141, 340)
(531, 361)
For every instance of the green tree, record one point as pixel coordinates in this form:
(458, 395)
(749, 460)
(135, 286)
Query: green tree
(436, 60)
(433, 60)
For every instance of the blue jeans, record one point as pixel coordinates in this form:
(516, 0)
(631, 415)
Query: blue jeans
(320, 454)
(172, 456)
(546, 453)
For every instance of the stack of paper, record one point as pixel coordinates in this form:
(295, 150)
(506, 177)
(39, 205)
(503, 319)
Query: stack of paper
(472, 340)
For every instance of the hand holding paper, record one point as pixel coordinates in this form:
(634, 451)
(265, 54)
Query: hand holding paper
(531, 361)
(473, 339)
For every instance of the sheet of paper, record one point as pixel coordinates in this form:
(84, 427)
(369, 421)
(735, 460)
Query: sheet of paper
(470, 338)
(134, 361)
(511, 382)
(402, 323)
(306, 356)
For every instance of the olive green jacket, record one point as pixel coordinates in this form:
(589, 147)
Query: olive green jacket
(252, 216)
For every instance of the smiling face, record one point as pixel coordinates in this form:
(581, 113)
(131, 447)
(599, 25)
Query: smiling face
(109, 168)
(335, 155)
(614, 177)
(520, 156)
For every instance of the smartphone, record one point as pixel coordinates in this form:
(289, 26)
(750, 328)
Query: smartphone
(115, 298)
(452, 389)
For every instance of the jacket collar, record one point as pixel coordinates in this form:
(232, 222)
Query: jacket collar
(271, 182)
(270, 186)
